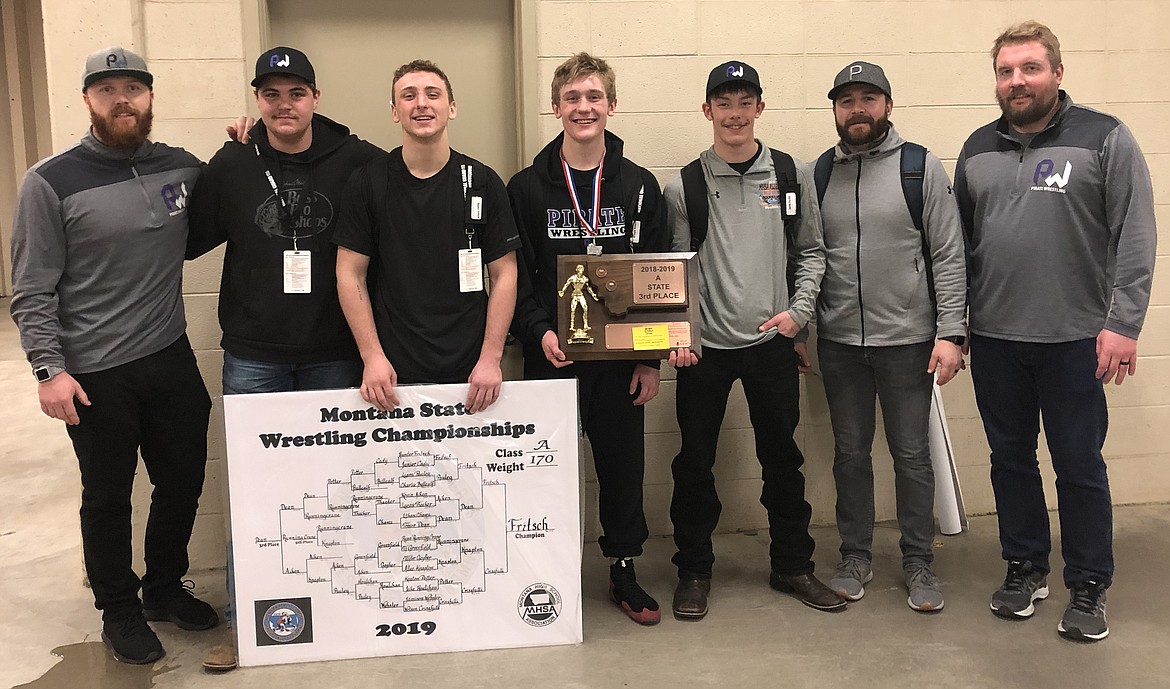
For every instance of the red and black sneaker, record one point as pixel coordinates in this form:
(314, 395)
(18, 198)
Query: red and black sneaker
(625, 592)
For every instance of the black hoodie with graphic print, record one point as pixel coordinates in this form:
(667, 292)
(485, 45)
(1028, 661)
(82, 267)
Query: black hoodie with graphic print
(234, 202)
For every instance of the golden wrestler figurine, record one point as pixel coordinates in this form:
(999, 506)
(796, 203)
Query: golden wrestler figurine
(580, 285)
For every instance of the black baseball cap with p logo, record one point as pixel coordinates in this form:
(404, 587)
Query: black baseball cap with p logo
(283, 60)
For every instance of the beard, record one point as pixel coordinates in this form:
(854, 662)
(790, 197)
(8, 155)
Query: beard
(877, 129)
(1036, 111)
(121, 133)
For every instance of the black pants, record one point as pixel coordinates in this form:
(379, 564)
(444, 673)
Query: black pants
(771, 384)
(615, 428)
(157, 404)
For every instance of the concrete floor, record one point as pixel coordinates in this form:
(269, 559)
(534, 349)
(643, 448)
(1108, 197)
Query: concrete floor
(753, 637)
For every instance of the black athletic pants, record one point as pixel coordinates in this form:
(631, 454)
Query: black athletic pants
(615, 428)
(157, 404)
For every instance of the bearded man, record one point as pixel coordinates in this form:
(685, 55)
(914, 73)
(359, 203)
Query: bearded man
(97, 257)
(890, 316)
(1058, 209)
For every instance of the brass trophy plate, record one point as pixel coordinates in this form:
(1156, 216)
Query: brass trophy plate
(627, 306)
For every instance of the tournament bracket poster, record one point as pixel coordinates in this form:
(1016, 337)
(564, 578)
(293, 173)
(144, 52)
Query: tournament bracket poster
(359, 533)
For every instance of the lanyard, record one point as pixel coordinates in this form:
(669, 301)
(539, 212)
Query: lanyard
(591, 230)
(636, 233)
(465, 172)
(285, 219)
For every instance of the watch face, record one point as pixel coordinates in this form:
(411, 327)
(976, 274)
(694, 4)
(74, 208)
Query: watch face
(42, 374)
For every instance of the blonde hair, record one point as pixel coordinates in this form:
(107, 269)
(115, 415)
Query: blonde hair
(580, 66)
(1025, 32)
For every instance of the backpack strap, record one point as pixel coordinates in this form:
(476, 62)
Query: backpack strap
(695, 198)
(789, 188)
(785, 168)
(913, 167)
(823, 171)
(913, 170)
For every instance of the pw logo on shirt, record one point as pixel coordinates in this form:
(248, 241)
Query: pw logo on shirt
(176, 199)
(1053, 181)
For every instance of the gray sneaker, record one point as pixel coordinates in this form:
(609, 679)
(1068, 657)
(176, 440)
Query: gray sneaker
(852, 575)
(1022, 586)
(923, 585)
(1084, 618)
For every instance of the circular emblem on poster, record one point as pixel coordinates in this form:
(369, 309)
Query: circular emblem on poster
(539, 605)
(283, 622)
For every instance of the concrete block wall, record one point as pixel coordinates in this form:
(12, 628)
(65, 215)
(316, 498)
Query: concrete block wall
(935, 53)
(196, 50)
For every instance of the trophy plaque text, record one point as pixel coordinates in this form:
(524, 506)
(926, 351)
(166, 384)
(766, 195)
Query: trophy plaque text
(627, 306)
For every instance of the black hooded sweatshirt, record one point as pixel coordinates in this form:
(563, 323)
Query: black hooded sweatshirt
(549, 228)
(234, 202)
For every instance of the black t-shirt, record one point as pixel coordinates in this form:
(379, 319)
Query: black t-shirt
(412, 229)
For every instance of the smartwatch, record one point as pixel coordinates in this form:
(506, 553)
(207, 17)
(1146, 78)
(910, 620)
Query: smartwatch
(44, 374)
(957, 340)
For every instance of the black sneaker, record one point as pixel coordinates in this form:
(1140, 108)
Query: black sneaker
(185, 610)
(625, 592)
(131, 639)
(1022, 586)
(1084, 618)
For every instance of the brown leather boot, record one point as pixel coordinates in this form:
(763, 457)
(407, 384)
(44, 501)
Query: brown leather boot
(690, 599)
(809, 590)
(220, 658)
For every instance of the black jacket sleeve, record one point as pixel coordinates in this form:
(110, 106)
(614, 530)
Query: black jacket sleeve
(529, 322)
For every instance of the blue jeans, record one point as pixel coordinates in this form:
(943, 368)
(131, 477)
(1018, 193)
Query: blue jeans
(1018, 384)
(855, 378)
(246, 376)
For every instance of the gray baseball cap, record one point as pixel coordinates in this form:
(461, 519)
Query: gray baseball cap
(115, 61)
(860, 73)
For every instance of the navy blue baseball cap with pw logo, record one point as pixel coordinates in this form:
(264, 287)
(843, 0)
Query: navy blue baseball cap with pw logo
(734, 71)
(283, 60)
(115, 61)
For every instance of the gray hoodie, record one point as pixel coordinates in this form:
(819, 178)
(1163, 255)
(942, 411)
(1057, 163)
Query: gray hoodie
(875, 291)
(743, 260)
